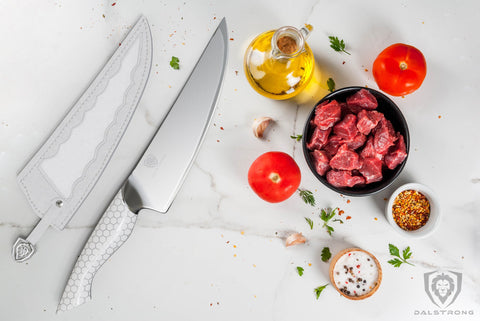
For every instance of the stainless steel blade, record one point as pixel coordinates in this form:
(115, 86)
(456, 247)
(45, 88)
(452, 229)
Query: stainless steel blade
(159, 174)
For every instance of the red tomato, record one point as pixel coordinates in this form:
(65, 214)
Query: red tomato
(274, 176)
(399, 69)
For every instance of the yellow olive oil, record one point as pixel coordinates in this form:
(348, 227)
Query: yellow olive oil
(279, 66)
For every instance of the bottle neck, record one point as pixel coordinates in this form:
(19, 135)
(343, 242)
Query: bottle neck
(289, 42)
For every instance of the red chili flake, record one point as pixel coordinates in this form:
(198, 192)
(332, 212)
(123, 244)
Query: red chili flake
(341, 212)
(366, 69)
(119, 44)
(231, 39)
(221, 128)
(218, 141)
(349, 254)
(236, 72)
(439, 116)
(358, 266)
(113, 4)
(343, 63)
(348, 217)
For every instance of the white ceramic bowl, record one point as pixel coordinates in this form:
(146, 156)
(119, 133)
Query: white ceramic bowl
(433, 220)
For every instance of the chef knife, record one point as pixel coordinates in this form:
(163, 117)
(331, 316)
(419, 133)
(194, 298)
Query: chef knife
(159, 173)
(64, 170)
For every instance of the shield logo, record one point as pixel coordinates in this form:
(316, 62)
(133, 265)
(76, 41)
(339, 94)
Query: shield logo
(443, 287)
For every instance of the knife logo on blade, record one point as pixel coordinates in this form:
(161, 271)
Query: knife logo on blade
(151, 161)
(170, 159)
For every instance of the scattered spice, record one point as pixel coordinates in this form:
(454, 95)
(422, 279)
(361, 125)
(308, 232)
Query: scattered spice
(113, 4)
(287, 45)
(231, 39)
(348, 217)
(411, 210)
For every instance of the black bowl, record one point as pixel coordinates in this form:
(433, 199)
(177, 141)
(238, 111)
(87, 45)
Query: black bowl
(391, 112)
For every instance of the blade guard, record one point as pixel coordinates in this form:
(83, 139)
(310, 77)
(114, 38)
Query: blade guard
(67, 166)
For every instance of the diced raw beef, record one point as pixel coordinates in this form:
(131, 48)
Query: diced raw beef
(345, 159)
(346, 128)
(384, 136)
(343, 178)
(326, 115)
(371, 169)
(369, 150)
(368, 120)
(332, 145)
(321, 161)
(345, 109)
(396, 154)
(362, 99)
(357, 141)
(319, 138)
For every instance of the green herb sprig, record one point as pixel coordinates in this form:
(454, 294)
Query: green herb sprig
(319, 290)
(399, 260)
(310, 222)
(337, 44)
(326, 215)
(174, 63)
(300, 270)
(326, 254)
(296, 137)
(331, 84)
(307, 196)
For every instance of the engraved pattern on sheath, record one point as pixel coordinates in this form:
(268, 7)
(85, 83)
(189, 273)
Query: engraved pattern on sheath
(111, 232)
(113, 133)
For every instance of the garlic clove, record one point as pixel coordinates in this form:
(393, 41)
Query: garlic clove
(260, 125)
(295, 238)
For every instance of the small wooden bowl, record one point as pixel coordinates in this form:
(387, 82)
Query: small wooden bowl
(332, 268)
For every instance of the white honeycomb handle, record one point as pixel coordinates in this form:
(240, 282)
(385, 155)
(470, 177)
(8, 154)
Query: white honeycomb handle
(113, 229)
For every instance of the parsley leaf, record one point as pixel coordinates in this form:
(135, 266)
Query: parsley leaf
(331, 84)
(326, 255)
(310, 222)
(394, 251)
(337, 44)
(300, 270)
(406, 253)
(326, 215)
(307, 196)
(296, 137)
(319, 290)
(174, 63)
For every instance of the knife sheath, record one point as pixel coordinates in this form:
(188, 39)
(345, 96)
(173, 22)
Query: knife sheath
(64, 170)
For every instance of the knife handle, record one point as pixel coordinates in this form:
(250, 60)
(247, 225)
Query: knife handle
(113, 229)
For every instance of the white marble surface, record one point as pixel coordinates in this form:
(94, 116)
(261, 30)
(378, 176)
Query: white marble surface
(219, 253)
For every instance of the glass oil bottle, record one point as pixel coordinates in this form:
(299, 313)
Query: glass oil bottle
(279, 64)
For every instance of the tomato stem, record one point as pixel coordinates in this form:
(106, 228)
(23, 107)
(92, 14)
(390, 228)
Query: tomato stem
(274, 177)
(403, 65)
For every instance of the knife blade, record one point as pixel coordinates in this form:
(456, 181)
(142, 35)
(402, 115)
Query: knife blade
(159, 173)
(65, 169)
